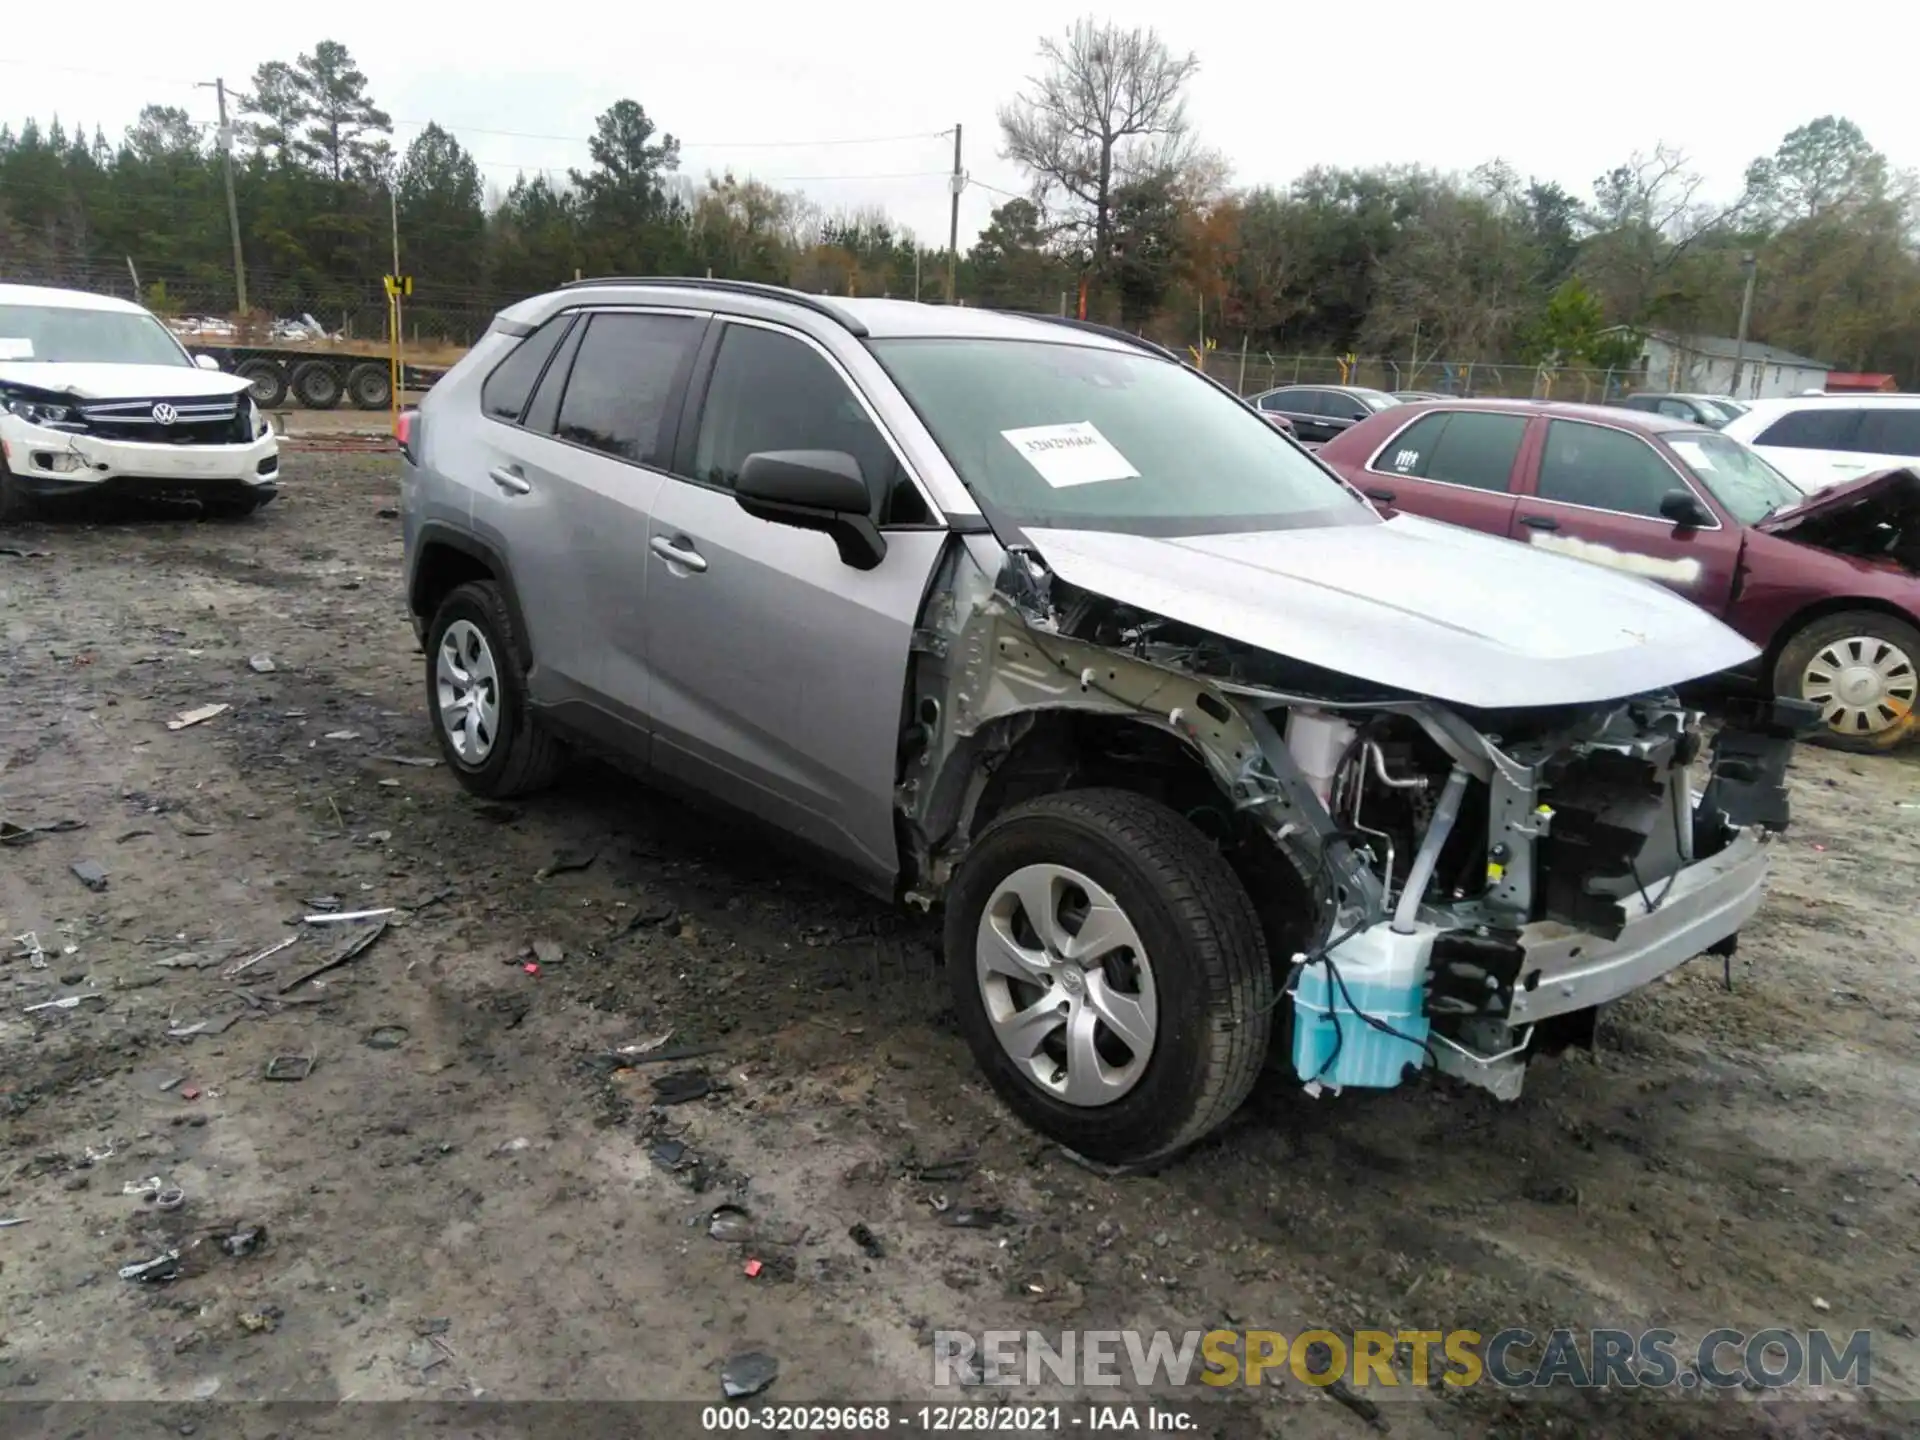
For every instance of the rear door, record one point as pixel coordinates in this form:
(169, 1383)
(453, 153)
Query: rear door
(1595, 495)
(1888, 437)
(1340, 412)
(779, 670)
(1454, 465)
(1814, 446)
(1300, 404)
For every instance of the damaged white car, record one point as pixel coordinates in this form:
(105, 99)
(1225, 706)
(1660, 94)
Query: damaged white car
(1211, 768)
(97, 398)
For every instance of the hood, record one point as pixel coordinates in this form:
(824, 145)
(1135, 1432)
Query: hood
(1467, 618)
(1876, 515)
(120, 382)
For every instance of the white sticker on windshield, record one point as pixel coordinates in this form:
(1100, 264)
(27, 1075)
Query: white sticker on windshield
(1075, 454)
(11, 349)
(1693, 453)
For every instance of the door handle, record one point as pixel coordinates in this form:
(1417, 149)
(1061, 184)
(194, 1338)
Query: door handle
(688, 558)
(509, 480)
(1384, 496)
(1539, 522)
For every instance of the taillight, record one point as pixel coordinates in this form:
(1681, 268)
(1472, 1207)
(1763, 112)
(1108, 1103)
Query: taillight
(405, 427)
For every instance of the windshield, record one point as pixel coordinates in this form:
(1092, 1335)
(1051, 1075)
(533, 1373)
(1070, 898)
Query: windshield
(1065, 436)
(65, 334)
(1740, 480)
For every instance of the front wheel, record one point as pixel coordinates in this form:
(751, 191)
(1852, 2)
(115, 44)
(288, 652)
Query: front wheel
(477, 696)
(1862, 668)
(1109, 973)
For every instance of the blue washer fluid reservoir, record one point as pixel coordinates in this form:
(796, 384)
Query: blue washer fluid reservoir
(1384, 975)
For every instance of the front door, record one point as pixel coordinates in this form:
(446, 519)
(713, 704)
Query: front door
(1596, 495)
(778, 670)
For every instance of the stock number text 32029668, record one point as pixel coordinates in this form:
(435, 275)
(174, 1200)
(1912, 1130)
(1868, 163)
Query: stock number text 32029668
(935, 1419)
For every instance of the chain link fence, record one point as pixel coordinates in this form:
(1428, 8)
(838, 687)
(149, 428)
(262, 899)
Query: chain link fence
(1254, 371)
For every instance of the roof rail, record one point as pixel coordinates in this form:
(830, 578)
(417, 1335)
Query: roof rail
(1093, 327)
(814, 303)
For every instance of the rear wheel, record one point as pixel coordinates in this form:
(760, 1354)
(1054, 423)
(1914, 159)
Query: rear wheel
(1863, 669)
(267, 381)
(1109, 973)
(316, 385)
(370, 387)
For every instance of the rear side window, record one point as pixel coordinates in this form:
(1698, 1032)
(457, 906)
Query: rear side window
(1459, 447)
(1605, 469)
(1294, 402)
(1889, 432)
(628, 369)
(504, 395)
(1820, 428)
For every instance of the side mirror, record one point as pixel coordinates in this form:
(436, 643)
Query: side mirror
(814, 490)
(206, 362)
(1684, 509)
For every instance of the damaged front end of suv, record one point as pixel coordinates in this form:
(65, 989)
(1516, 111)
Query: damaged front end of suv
(1437, 882)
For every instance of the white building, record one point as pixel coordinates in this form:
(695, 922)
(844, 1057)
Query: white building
(1704, 365)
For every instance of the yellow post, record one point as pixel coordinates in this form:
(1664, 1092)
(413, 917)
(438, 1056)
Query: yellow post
(393, 363)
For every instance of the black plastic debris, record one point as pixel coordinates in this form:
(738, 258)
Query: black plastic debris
(868, 1242)
(671, 1154)
(978, 1217)
(952, 1167)
(16, 834)
(682, 1086)
(157, 1271)
(244, 1241)
(352, 950)
(90, 873)
(747, 1375)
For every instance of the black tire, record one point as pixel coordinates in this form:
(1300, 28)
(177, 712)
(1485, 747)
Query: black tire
(1209, 963)
(524, 757)
(316, 385)
(15, 504)
(370, 387)
(1807, 643)
(234, 507)
(268, 380)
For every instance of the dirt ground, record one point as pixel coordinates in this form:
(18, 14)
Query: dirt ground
(473, 1195)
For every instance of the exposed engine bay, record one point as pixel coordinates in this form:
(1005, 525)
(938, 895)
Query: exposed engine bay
(1440, 885)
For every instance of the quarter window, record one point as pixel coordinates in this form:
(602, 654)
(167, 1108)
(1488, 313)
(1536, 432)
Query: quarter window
(629, 367)
(1459, 447)
(504, 395)
(771, 391)
(1889, 432)
(1823, 428)
(1605, 469)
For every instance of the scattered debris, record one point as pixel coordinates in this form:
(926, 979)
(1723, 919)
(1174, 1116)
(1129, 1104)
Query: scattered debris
(15, 834)
(868, 1242)
(549, 951)
(253, 960)
(352, 950)
(263, 1321)
(243, 1240)
(730, 1224)
(145, 1189)
(423, 1355)
(387, 1037)
(644, 1047)
(662, 1057)
(656, 912)
(344, 916)
(341, 735)
(12, 1220)
(422, 762)
(157, 1271)
(288, 1067)
(16, 553)
(978, 1217)
(682, 1086)
(31, 952)
(261, 664)
(747, 1375)
(1820, 1304)
(953, 1167)
(187, 718)
(752, 1269)
(90, 873)
(219, 1025)
(65, 1002)
(565, 861)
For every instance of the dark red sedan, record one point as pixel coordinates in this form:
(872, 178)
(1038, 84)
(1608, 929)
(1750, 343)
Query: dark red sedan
(1827, 585)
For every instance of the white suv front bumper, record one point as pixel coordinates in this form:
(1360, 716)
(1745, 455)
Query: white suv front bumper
(47, 462)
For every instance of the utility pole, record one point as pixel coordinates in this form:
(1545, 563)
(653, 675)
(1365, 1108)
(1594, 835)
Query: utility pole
(957, 184)
(1749, 262)
(219, 88)
(393, 213)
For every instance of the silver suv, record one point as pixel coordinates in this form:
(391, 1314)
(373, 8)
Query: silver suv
(1207, 764)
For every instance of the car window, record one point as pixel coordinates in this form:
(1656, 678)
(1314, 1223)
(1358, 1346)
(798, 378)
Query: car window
(771, 391)
(1338, 405)
(1889, 432)
(1679, 409)
(629, 367)
(1459, 447)
(543, 411)
(1643, 402)
(1604, 468)
(1816, 428)
(504, 395)
(1748, 487)
(1294, 402)
(1056, 434)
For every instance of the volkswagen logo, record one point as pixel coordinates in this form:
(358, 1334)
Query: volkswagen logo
(164, 414)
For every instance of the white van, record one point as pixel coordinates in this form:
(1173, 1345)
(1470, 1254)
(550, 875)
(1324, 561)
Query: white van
(1818, 441)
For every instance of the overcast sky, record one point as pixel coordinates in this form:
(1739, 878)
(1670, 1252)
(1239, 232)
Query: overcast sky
(1561, 93)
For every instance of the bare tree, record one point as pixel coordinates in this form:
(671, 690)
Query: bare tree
(1108, 110)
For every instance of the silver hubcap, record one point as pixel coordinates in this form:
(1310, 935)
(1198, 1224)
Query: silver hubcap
(1863, 685)
(1067, 985)
(469, 691)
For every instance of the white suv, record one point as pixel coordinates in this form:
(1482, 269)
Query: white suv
(1818, 441)
(97, 396)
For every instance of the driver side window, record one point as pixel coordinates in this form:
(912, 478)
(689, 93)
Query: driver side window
(772, 391)
(1605, 469)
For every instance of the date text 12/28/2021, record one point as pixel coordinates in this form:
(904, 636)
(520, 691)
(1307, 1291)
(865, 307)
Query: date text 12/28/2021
(947, 1419)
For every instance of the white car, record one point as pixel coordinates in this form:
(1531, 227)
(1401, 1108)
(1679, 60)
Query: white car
(1818, 441)
(98, 397)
